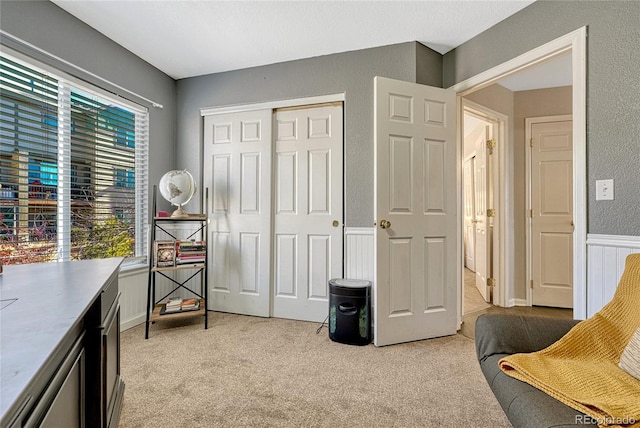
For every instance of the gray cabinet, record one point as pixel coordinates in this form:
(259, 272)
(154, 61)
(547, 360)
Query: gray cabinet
(67, 407)
(57, 397)
(61, 345)
(105, 388)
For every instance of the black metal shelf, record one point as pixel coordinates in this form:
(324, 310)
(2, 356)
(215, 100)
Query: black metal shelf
(199, 268)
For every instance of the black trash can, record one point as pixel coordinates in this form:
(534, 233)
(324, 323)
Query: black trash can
(350, 311)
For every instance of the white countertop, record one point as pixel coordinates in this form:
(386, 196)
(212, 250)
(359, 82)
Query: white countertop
(51, 298)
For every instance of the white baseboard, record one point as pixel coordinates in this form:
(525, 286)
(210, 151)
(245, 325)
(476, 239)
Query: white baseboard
(132, 322)
(517, 302)
(606, 256)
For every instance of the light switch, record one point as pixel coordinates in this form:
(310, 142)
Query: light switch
(604, 190)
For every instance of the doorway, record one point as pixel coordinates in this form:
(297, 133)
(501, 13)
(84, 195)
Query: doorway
(573, 44)
(483, 130)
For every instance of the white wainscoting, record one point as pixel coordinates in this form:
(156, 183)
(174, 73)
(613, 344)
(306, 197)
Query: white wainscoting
(359, 254)
(133, 286)
(133, 298)
(359, 264)
(133, 282)
(606, 255)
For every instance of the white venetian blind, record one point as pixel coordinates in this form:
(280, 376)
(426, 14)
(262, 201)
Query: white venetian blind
(73, 172)
(28, 162)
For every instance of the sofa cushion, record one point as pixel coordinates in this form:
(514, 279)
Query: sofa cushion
(510, 334)
(526, 406)
(630, 358)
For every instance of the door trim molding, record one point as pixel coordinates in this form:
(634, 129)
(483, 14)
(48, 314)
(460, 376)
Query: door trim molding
(576, 43)
(528, 122)
(292, 102)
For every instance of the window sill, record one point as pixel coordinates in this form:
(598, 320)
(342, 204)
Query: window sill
(133, 267)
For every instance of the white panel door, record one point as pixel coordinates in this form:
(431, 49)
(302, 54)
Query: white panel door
(469, 214)
(415, 189)
(552, 219)
(307, 242)
(237, 170)
(482, 222)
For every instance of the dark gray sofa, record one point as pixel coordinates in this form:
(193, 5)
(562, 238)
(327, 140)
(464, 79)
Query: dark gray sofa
(499, 335)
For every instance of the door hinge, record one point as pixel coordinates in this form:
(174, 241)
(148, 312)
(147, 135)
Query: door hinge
(531, 213)
(531, 284)
(530, 142)
(491, 212)
(491, 144)
(491, 282)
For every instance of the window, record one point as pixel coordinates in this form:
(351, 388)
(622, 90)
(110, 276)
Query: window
(73, 169)
(125, 178)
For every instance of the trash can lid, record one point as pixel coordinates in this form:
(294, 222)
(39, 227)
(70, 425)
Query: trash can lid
(350, 283)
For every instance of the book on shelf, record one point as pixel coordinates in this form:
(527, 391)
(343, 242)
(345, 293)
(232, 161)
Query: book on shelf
(190, 242)
(190, 252)
(178, 304)
(189, 260)
(191, 246)
(173, 304)
(183, 250)
(191, 303)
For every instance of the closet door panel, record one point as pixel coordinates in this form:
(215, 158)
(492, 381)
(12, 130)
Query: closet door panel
(237, 169)
(308, 153)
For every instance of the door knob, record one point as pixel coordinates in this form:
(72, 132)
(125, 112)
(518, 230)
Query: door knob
(335, 223)
(385, 224)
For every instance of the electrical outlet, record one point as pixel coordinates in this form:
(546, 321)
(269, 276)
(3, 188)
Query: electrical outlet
(604, 190)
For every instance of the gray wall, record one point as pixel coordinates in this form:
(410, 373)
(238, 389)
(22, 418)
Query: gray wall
(350, 73)
(48, 27)
(613, 90)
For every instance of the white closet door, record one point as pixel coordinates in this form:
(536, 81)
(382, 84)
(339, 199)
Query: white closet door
(237, 170)
(307, 247)
(552, 217)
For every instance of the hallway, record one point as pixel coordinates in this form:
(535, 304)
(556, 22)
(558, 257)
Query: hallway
(474, 306)
(473, 301)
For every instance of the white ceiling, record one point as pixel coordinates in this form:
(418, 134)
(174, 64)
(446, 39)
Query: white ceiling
(191, 38)
(553, 73)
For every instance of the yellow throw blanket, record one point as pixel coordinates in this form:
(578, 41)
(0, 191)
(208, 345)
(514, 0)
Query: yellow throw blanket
(581, 369)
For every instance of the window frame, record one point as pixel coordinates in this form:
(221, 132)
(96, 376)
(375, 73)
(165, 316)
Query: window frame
(67, 83)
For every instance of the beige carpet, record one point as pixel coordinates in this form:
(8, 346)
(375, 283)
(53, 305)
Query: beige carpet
(247, 371)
